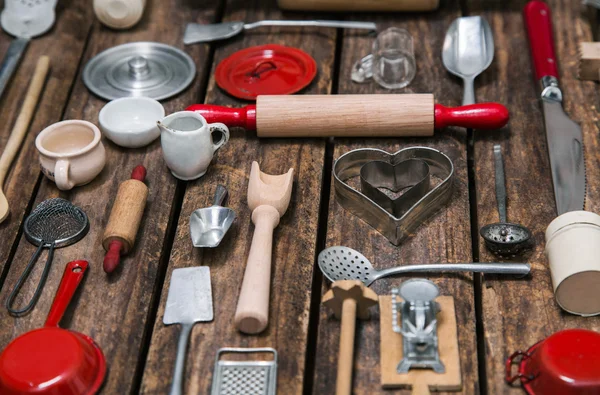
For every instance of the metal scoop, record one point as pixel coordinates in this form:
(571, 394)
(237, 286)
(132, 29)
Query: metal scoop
(504, 238)
(209, 225)
(468, 50)
(197, 33)
(343, 263)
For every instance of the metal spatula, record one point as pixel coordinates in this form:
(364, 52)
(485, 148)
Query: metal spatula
(189, 301)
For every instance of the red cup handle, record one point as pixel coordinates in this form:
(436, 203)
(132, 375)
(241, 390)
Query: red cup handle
(71, 278)
(473, 116)
(244, 117)
(541, 40)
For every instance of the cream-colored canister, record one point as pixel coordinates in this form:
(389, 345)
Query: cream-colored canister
(119, 14)
(573, 250)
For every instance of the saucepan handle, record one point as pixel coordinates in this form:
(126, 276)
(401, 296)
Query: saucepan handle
(74, 272)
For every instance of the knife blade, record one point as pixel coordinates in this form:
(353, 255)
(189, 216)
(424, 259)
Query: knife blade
(565, 139)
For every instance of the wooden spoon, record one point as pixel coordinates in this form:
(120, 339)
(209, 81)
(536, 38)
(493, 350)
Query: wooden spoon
(21, 126)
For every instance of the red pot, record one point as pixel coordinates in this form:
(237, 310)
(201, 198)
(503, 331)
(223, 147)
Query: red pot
(567, 362)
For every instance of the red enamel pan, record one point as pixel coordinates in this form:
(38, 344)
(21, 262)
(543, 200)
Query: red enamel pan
(566, 363)
(353, 115)
(52, 360)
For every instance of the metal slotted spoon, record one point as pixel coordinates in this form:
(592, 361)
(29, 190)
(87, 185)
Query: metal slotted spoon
(343, 263)
(52, 224)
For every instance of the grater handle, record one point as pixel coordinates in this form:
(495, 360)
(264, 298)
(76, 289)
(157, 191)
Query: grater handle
(184, 337)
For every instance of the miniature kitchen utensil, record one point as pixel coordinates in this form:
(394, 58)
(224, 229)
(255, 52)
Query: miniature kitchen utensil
(189, 301)
(197, 33)
(415, 207)
(52, 360)
(131, 121)
(468, 51)
(565, 141)
(348, 299)
(343, 263)
(567, 362)
(414, 317)
(573, 248)
(17, 135)
(503, 238)
(352, 115)
(119, 14)
(392, 351)
(209, 225)
(187, 143)
(359, 5)
(244, 377)
(268, 198)
(71, 153)
(265, 70)
(54, 223)
(23, 19)
(148, 69)
(392, 62)
(589, 60)
(125, 218)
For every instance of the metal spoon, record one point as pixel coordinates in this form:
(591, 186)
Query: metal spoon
(343, 263)
(208, 225)
(503, 238)
(468, 51)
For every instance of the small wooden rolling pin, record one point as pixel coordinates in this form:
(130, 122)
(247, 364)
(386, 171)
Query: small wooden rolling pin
(125, 218)
(353, 115)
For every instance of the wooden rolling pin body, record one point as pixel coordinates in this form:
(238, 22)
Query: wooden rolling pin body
(345, 115)
(359, 5)
(126, 215)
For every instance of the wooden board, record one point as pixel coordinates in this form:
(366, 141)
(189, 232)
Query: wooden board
(391, 350)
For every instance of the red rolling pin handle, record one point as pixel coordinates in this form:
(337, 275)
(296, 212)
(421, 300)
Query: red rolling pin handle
(474, 116)
(113, 255)
(244, 117)
(541, 40)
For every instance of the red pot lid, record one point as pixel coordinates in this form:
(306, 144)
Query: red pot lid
(265, 70)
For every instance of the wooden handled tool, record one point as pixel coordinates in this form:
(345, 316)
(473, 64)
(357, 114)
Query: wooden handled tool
(348, 299)
(125, 218)
(353, 115)
(268, 198)
(589, 61)
(21, 126)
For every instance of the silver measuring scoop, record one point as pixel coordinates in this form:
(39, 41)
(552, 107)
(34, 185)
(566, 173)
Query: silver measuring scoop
(209, 225)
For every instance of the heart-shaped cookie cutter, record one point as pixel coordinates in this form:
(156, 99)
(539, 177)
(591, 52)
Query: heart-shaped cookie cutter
(395, 229)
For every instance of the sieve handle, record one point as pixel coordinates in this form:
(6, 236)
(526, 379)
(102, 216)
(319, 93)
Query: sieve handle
(74, 272)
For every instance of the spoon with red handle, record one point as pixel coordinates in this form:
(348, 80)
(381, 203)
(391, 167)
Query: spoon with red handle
(353, 115)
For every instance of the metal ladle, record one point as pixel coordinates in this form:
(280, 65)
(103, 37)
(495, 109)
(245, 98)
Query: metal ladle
(504, 238)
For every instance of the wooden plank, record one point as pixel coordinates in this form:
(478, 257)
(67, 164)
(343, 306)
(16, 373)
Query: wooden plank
(444, 238)
(113, 309)
(294, 240)
(64, 44)
(517, 314)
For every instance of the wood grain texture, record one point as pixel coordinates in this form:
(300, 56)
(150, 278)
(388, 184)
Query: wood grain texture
(517, 314)
(294, 240)
(111, 309)
(443, 238)
(359, 5)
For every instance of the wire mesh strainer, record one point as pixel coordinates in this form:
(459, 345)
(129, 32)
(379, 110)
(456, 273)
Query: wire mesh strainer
(53, 223)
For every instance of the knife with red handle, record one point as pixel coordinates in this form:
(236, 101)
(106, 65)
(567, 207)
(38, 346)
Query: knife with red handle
(352, 115)
(565, 140)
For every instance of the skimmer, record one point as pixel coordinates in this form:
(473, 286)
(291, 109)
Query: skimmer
(52, 224)
(343, 263)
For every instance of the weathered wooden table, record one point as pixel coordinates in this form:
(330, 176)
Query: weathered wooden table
(123, 312)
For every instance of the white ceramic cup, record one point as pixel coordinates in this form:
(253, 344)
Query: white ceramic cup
(71, 153)
(573, 250)
(187, 143)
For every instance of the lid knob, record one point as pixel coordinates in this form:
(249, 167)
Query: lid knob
(138, 66)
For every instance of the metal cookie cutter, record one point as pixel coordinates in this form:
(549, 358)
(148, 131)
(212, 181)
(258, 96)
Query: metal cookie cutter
(417, 210)
(419, 325)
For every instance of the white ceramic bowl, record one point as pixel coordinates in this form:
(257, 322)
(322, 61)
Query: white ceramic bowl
(131, 121)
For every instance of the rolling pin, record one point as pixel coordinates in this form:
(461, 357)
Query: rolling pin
(359, 5)
(125, 218)
(352, 115)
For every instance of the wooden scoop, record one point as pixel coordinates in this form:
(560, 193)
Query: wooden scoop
(268, 198)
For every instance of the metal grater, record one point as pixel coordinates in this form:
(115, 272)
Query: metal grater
(245, 377)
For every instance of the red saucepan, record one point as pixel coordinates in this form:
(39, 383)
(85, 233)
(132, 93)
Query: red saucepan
(568, 362)
(52, 360)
